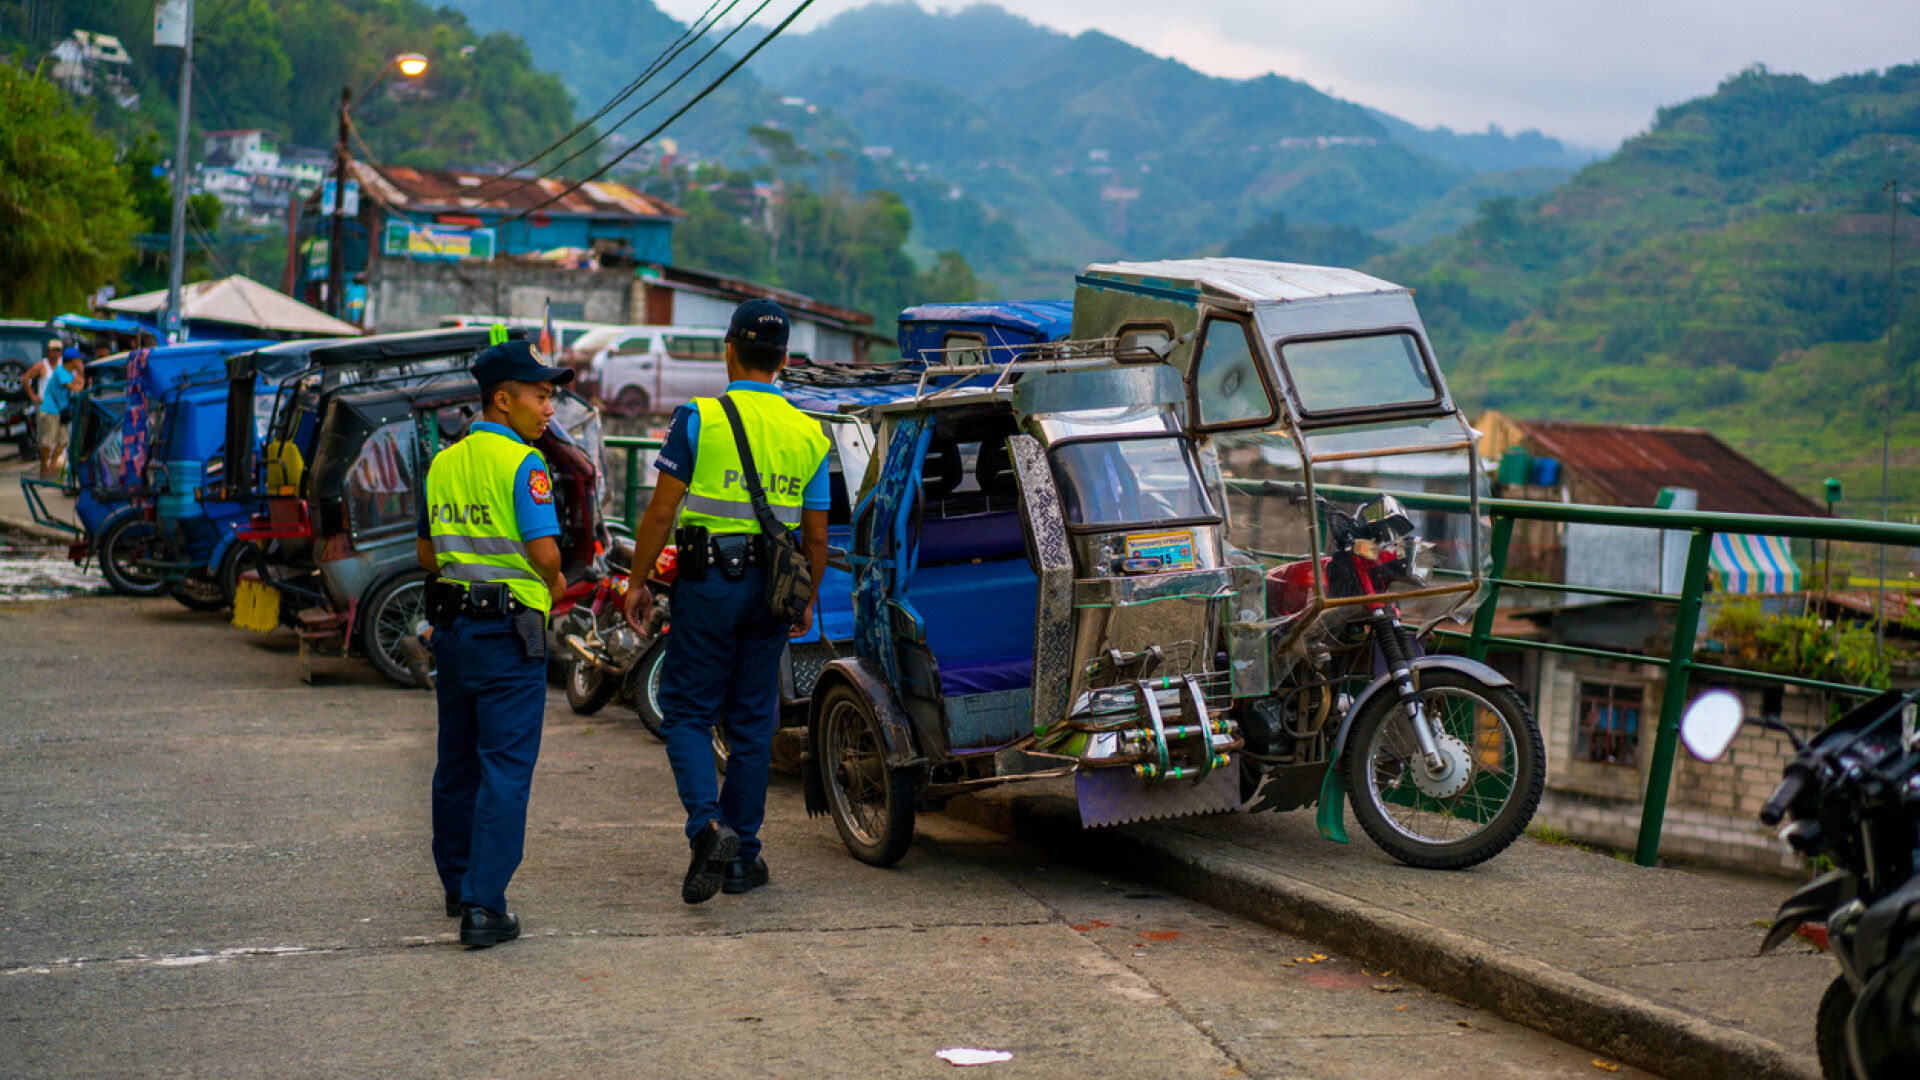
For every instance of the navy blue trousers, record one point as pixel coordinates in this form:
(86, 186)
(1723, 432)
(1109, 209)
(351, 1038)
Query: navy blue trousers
(723, 667)
(493, 701)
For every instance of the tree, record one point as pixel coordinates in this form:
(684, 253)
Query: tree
(151, 189)
(66, 218)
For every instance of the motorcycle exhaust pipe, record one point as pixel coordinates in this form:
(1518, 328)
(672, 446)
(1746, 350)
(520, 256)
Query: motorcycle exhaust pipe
(587, 655)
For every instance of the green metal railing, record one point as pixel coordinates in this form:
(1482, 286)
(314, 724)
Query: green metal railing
(1679, 662)
(630, 505)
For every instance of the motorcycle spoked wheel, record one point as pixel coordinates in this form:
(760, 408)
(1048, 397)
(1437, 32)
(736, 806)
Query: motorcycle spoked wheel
(199, 590)
(1462, 824)
(395, 611)
(872, 805)
(588, 688)
(641, 688)
(125, 542)
(1830, 1029)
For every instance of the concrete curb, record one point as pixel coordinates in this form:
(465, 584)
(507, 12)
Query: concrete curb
(37, 531)
(1620, 1025)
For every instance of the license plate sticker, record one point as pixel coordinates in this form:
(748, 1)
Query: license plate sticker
(1173, 549)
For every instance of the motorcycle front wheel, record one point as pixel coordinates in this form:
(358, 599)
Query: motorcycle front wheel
(1830, 1030)
(642, 688)
(1471, 811)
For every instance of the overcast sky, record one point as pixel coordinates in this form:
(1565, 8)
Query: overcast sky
(1588, 72)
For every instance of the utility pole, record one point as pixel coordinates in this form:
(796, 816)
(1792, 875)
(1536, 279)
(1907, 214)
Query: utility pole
(1886, 431)
(177, 258)
(336, 235)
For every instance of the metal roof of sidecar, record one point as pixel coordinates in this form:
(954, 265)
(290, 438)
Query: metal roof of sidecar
(409, 345)
(1252, 280)
(167, 366)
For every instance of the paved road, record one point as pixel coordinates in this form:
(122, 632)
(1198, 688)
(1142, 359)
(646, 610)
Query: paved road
(208, 869)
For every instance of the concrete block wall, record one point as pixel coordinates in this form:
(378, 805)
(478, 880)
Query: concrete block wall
(1712, 807)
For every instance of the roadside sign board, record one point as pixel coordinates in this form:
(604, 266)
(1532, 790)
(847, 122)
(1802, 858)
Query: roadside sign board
(327, 200)
(408, 241)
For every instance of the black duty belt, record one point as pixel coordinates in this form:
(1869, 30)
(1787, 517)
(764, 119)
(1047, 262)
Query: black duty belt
(728, 555)
(479, 600)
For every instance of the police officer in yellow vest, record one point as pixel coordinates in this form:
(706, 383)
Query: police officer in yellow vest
(488, 531)
(723, 649)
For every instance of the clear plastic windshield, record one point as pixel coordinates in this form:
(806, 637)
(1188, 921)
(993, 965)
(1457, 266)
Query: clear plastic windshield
(1407, 549)
(1335, 375)
(1129, 481)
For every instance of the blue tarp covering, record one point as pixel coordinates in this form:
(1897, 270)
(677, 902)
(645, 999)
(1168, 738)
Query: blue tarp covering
(112, 326)
(1021, 322)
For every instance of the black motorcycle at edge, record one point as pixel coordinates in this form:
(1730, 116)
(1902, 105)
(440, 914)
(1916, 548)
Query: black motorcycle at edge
(1852, 796)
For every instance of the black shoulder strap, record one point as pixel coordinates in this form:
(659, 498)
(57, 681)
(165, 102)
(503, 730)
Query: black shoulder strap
(750, 479)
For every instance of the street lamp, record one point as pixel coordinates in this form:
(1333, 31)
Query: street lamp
(412, 65)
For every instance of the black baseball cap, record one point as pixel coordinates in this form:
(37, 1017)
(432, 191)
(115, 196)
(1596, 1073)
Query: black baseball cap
(519, 361)
(761, 322)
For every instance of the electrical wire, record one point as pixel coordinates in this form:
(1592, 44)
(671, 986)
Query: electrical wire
(678, 113)
(662, 92)
(666, 57)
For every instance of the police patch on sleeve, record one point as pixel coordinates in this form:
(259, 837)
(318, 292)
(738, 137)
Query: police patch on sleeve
(539, 486)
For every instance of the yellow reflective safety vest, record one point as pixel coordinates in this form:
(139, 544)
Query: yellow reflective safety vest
(471, 517)
(788, 448)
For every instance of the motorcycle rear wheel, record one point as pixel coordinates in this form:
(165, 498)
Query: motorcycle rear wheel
(588, 688)
(395, 611)
(1479, 819)
(125, 542)
(199, 590)
(872, 805)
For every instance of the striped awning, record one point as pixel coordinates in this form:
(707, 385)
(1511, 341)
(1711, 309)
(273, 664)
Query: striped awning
(1754, 564)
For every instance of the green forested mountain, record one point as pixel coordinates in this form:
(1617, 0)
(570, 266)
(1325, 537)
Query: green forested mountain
(1089, 147)
(1728, 268)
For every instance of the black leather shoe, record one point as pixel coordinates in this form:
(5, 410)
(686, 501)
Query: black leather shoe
(481, 928)
(744, 875)
(713, 850)
(455, 908)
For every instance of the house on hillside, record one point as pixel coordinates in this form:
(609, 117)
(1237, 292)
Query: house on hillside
(1599, 716)
(86, 61)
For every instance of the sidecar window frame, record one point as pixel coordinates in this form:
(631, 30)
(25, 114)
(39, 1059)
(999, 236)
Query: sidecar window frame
(1438, 404)
(1068, 502)
(1256, 358)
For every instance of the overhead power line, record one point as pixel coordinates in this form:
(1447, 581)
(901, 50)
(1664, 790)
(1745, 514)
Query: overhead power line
(666, 57)
(662, 92)
(678, 113)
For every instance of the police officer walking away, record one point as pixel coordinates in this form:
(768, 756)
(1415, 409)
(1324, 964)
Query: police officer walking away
(488, 533)
(723, 653)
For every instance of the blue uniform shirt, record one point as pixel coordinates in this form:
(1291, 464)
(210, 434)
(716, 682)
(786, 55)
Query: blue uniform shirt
(683, 436)
(535, 514)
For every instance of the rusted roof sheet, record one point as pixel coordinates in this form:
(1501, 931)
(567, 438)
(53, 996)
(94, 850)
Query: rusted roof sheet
(1898, 606)
(734, 288)
(448, 189)
(1633, 462)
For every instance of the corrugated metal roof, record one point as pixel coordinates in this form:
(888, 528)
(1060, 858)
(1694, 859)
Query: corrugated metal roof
(1633, 462)
(448, 189)
(1250, 279)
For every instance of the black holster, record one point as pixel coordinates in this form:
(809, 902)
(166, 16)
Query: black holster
(693, 555)
(443, 601)
(531, 626)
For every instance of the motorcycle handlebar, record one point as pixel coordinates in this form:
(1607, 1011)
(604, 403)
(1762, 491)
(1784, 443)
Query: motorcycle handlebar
(1783, 798)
